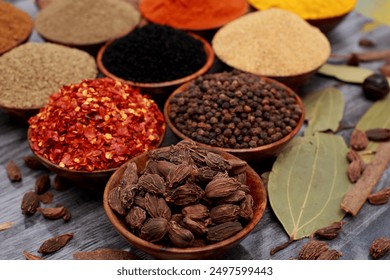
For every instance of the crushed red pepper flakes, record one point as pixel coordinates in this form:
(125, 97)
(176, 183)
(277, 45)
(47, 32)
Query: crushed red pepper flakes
(96, 125)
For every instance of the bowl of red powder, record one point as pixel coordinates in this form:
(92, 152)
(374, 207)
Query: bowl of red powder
(88, 130)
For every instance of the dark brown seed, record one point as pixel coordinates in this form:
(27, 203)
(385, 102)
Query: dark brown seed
(353, 60)
(46, 198)
(178, 174)
(105, 254)
(178, 218)
(196, 212)
(55, 243)
(180, 236)
(206, 174)
(237, 166)
(379, 247)
(30, 203)
(130, 175)
(30, 256)
(366, 43)
(329, 232)
(187, 194)
(378, 134)
(33, 163)
(164, 167)
(127, 194)
(246, 208)
(67, 215)
(242, 177)
(157, 207)
(42, 184)
(235, 197)
(330, 255)
(312, 250)
(115, 202)
(136, 217)
(224, 213)
(359, 140)
(152, 183)
(216, 162)
(354, 156)
(154, 229)
(198, 243)
(13, 172)
(380, 197)
(223, 231)
(355, 171)
(221, 186)
(139, 201)
(196, 227)
(52, 213)
(376, 87)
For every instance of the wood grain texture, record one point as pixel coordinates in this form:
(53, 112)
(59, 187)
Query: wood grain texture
(92, 230)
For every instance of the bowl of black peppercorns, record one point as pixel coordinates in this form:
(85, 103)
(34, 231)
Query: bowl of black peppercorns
(240, 113)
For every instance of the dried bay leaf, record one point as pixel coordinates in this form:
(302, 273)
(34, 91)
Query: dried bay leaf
(377, 116)
(323, 110)
(345, 73)
(307, 184)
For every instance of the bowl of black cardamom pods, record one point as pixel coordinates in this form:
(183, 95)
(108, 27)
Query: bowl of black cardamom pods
(185, 201)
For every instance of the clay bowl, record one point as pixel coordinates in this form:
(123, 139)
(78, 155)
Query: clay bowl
(248, 154)
(93, 181)
(257, 190)
(161, 88)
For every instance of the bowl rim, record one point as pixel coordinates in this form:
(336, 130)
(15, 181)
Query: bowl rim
(141, 243)
(53, 166)
(281, 141)
(210, 57)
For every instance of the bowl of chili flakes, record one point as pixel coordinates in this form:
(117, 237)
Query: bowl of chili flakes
(87, 130)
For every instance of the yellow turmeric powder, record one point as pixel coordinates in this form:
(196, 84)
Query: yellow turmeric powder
(308, 9)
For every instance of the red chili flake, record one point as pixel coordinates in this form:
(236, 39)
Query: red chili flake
(96, 125)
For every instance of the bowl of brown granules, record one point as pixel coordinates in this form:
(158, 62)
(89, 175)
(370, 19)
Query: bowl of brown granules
(249, 116)
(185, 201)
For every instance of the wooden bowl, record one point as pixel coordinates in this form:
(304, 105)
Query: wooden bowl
(248, 154)
(93, 181)
(161, 87)
(20, 114)
(257, 190)
(326, 25)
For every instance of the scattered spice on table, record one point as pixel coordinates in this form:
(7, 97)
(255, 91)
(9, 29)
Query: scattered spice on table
(308, 9)
(86, 22)
(193, 15)
(13, 171)
(96, 125)
(379, 247)
(249, 44)
(234, 110)
(54, 244)
(154, 53)
(33, 71)
(15, 26)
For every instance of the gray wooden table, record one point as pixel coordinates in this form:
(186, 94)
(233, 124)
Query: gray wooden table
(92, 230)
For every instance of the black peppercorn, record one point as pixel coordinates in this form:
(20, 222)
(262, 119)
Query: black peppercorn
(376, 87)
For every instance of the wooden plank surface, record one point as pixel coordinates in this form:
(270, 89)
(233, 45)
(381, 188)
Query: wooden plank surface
(92, 230)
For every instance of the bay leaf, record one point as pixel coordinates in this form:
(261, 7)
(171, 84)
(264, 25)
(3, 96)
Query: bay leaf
(377, 116)
(307, 184)
(323, 110)
(348, 74)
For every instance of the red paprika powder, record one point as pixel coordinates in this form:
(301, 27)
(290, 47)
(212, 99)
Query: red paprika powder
(96, 125)
(193, 14)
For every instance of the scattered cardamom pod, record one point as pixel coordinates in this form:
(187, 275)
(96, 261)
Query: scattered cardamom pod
(13, 172)
(136, 217)
(330, 255)
(42, 184)
(353, 156)
(52, 213)
(378, 134)
(30, 203)
(224, 213)
(46, 197)
(355, 171)
(359, 140)
(312, 250)
(223, 231)
(379, 247)
(54, 244)
(180, 236)
(33, 163)
(188, 193)
(154, 229)
(30, 256)
(329, 232)
(380, 197)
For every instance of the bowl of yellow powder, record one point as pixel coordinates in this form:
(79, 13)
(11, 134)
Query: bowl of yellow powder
(274, 43)
(323, 14)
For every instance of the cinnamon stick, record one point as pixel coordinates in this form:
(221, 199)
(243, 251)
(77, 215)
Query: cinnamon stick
(358, 193)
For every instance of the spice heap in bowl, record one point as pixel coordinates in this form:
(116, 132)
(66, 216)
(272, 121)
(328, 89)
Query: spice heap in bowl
(33, 71)
(15, 26)
(240, 113)
(193, 15)
(184, 201)
(273, 43)
(86, 23)
(89, 129)
(323, 14)
(156, 58)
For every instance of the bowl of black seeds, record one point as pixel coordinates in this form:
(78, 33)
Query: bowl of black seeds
(156, 58)
(240, 113)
